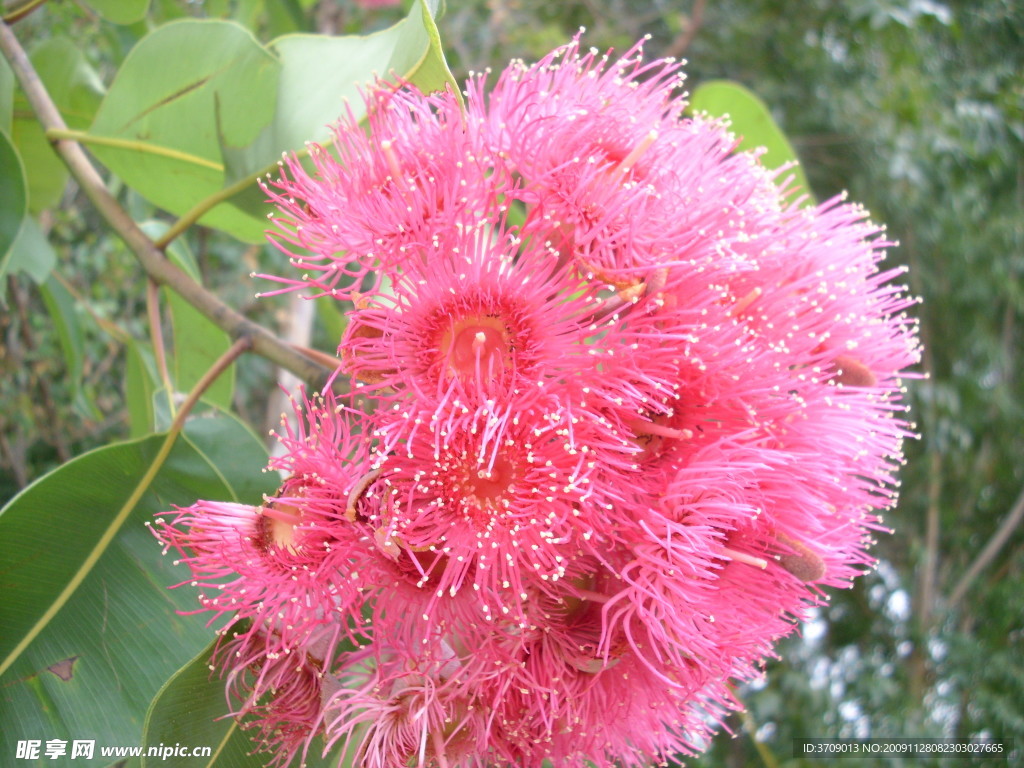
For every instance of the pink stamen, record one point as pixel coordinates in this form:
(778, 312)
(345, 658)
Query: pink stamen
(740, 306)
(388, 148)
(594, 597)
(439, 753)
(282, 516)
(653, 428)
(740, 557)
(630, 160)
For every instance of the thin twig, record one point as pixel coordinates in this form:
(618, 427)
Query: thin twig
(21, 12)
(750, 726)
(149, 256)
(924, 596)
(988, 554)
(84, 137)
(208, 203)
(156, 334)
(682, 41)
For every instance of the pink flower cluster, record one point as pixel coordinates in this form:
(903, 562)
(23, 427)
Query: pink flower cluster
(631, 407)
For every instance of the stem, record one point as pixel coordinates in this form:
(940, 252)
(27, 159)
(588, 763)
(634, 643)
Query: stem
(156, 334)
(439, 751)
(139, 491)
(205, 205)
(158, 268)
(927, 566)
(20, 13)
(988, 554)
(83, 137)
(689, 31)
(750, 726)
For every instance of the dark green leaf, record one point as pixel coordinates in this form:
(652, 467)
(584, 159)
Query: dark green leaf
(64, 314)
(13, 198)
(190, 709)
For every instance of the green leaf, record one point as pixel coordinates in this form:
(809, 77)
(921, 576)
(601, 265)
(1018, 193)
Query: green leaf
(6, 95)
(200, 106)
(333, 319)
(191, 708)
(76, 89)
(320, 74)
(752, 122)
(74, 86)
(46, 174)
(32, 253)
(198, 343)
(120, 11)
(140, 384)
(97, 661)
(64, 314)
(181, 87)
(13, 198)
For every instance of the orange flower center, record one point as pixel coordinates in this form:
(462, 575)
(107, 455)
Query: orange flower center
(489, 486)
(279, 523)
(477, 344)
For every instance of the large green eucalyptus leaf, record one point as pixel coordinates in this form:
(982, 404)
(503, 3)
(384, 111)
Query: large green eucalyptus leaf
(178, 90)
(190, 709)
(13, 198)
(92, 665)
(752, 122)
(200, 108)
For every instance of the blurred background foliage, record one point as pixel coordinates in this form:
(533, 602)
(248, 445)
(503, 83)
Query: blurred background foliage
(916, 107)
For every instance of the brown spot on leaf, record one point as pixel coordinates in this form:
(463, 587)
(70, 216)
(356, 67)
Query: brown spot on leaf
(63, 668)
